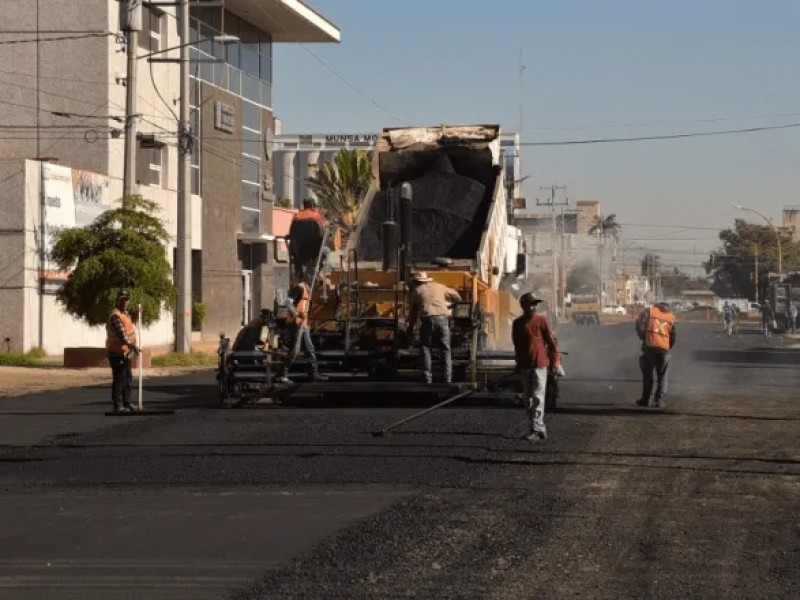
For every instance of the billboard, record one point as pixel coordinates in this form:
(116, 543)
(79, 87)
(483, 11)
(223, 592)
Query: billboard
(72, 198)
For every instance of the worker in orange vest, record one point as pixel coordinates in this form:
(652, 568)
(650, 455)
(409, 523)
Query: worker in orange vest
(121, 347)
(298, 302)
(655, 326)
(306, 235)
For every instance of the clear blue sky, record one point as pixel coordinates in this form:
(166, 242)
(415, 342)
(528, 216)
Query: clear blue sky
(593, 69)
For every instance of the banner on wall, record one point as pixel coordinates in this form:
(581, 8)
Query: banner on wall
(72, 198)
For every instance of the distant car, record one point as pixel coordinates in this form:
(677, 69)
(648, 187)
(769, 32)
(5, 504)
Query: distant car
(614, 309)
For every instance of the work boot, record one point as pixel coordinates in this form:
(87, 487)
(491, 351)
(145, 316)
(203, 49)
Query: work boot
(284, 379)
(660, 403)
(316, 376)
(643, 402)
(121, 409)
(536, 436)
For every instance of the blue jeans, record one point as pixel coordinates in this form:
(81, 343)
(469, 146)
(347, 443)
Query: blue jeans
(435, 333)
(122, 377)
(651, 361)
(301, 341)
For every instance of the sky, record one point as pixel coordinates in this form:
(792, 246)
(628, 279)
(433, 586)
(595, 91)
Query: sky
(618, 68)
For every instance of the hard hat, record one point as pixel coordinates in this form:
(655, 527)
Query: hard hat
(310, 202)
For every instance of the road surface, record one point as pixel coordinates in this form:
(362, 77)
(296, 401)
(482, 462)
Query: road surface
(700, 500)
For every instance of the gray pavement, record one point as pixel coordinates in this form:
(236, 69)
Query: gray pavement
(699, 500)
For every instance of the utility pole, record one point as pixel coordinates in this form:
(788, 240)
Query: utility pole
(522, 69)
(552, 204)
(131, 24)
(755, 272)
(183, 329)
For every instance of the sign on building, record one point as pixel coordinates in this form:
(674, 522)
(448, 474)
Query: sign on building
(72, 198)
(224, 117)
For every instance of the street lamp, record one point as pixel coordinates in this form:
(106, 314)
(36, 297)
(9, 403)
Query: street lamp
(774, 230)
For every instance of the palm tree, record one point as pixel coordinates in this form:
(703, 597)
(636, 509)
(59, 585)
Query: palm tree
(606, 227)
(341, 186)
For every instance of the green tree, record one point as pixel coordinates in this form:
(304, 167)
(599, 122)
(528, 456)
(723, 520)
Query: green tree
(732, 266)
(342, 185)
(675, 282)
(122, 249)
(606, 227)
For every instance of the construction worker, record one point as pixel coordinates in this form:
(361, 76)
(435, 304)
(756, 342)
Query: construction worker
(655, 326)
(729, 317)
(306, 235)
(298, 301)
(767, 319)
(535, 350)
(249, 337)
(430, 303)
(121, 347)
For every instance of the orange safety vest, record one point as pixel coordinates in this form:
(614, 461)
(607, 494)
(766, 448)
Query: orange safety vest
(114, 345)
(310, 214)
(303, 304)
(659, 328)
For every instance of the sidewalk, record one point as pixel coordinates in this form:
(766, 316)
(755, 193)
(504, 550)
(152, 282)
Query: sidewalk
(19, 381)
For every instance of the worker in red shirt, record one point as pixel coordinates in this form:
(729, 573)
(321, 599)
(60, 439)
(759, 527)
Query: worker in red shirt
(535, 350)
(306, 236)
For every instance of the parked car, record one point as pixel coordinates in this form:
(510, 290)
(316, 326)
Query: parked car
(615, 309)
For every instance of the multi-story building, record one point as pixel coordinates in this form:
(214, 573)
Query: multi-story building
(62, 91)
(791, 221)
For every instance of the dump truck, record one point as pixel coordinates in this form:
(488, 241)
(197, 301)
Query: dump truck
(585, 309)
(437, 204)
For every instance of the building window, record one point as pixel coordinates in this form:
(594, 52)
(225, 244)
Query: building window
(251, 167)
(195, 130)
(248, 72)
(153, 32)
(151, 163)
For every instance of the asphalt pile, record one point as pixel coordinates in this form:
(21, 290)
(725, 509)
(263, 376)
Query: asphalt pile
(444, 206)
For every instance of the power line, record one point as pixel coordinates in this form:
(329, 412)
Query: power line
(674, 136)
(62, 38)
(338, 75)
(650, 123)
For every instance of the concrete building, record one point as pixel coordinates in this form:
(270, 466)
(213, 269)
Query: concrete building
(298, 156)
(791, 221)
(571, 242)
(63, 100)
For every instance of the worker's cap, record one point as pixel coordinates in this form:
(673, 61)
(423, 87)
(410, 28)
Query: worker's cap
(264, 314)
(123, 295)
(309, 202)
(420, 277)
(529, 299)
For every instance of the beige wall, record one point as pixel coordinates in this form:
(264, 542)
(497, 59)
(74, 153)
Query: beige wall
(73, 75)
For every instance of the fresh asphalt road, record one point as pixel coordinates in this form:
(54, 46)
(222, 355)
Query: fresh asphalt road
(698, 500)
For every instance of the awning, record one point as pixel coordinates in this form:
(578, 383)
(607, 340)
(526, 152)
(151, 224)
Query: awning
(286, 20)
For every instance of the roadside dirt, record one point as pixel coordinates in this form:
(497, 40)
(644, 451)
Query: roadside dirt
(19, 381)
